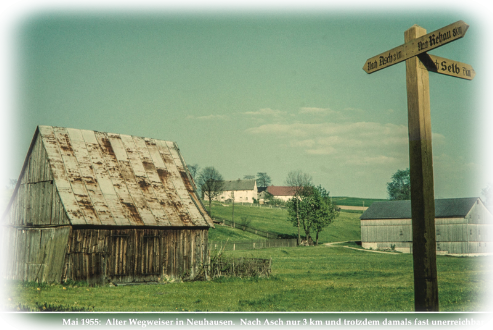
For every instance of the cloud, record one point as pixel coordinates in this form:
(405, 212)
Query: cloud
(266, 112)
(316, 111)
(363, 143)
(208, 117)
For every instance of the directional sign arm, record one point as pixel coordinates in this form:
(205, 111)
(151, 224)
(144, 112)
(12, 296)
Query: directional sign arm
(448, 67)
(417, 46)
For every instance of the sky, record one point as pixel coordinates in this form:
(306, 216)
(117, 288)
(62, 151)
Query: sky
(250, 90)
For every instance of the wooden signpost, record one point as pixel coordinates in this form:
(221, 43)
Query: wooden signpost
(418, 63)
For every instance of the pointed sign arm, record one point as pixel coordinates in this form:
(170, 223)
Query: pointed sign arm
(448, 67)
(417, 46)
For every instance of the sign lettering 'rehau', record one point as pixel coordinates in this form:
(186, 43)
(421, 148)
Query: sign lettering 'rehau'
(417, 46)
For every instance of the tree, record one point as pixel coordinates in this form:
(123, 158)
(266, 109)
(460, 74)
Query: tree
(400, 187)
(249, 177)
(299, 182)
(211, 184)
(263, 180)
(487, 192)
(193, 169)
(313, 210)
(327, 214)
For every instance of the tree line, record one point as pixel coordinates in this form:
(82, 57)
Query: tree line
(399, 188)
(310, 209)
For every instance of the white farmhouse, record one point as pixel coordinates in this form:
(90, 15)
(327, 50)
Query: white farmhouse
(242, 191)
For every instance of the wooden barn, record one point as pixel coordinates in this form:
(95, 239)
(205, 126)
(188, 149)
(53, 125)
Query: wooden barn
(463, 226)
(103, 207)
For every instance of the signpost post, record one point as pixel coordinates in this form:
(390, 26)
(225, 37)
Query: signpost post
(418, 63)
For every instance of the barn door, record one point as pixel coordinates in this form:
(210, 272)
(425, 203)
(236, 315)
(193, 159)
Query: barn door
(149, 256)
(117, 256)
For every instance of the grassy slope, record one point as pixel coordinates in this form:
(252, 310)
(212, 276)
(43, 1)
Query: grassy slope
(344, 228)
(223, 233)
(303, 279)
(354, 201)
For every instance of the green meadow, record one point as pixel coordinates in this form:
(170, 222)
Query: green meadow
(346, 227)
(340, 277)
(306, 279)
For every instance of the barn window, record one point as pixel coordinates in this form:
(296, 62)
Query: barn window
(401, 233)
(438, 232)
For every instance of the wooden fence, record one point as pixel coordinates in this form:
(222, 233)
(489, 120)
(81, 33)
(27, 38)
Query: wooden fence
(238, 225)
(251, 245)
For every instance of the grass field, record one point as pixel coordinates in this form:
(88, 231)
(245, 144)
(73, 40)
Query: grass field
(346, 227)
(354, 201)
(223, 233)
(317, 278)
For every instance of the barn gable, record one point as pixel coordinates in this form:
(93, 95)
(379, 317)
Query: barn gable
(103, 207)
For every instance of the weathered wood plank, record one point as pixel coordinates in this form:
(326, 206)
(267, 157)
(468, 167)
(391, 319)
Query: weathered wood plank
(413, 47)
(422, 188)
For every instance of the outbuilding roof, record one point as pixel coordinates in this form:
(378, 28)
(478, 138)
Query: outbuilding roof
(281, 190)
(119, 180)
(444, 208)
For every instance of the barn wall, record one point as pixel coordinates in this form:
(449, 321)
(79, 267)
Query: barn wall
(134, 255)
(35, 254)
(453, 235)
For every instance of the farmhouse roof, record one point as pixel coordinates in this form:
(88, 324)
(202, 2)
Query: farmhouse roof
(280, 191)
(444, 208)
(116, 179)
(230, 185)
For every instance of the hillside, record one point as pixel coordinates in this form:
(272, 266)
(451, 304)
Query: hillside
(346, 227)
(355, 201)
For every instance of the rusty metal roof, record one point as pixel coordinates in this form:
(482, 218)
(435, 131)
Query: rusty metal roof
(121, 180)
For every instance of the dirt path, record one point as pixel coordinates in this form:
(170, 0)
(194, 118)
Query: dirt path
(348, 207)
(353, 248)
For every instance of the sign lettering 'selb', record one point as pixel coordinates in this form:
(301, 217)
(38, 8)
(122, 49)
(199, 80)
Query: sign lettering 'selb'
(447, 67)
(417, 46)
